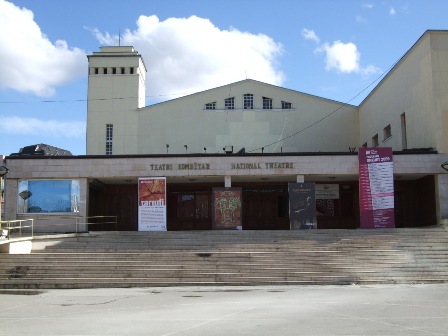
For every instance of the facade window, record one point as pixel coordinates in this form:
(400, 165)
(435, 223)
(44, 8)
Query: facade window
(131, 71)
(364, 144)
(229, 103)
(248, 101)
(97, 71)
(104, 71)
(404, 138)
(109, 138)
(114, 71)
(122, 71)
(267, 103)
(210, 106)
(48, 196)
(375, 142)
(387, 132)
(286, 105)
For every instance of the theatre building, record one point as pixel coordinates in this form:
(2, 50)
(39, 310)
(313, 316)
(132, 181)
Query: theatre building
(249, 139)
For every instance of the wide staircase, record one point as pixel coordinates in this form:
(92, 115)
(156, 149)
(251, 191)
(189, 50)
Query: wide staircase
(309, 257)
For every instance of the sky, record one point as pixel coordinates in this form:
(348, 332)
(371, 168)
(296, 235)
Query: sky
(336, 49)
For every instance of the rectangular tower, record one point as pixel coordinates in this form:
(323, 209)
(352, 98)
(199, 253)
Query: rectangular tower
(116, 90)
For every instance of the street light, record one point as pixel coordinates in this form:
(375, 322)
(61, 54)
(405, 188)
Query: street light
(3, 172)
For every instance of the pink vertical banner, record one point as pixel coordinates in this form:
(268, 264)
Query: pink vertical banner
(376, 187)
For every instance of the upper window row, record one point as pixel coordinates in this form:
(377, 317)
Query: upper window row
(248, 103)
(112, 71)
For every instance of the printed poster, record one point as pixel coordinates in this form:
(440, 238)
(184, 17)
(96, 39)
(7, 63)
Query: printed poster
(302, 206)
(376, 187)
(152, 204)
(226, 214)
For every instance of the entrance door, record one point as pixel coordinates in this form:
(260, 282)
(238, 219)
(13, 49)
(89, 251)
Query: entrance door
(260, 212)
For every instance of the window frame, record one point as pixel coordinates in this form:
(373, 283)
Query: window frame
(267, 103)
(387, 133)
(375, 142)
(229, 103)
(286, 105)
(248, 101)
(23, 200)
(109, 138)
(210, 106)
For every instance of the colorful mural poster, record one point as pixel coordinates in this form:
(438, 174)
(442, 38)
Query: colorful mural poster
(226, 214)
(302, 206)
(152, 204)
(376, 187)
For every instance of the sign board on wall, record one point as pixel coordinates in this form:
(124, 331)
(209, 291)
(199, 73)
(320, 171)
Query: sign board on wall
(226, 213)
(302, 206)
(152, 204)
(327, 191)
(376, 187)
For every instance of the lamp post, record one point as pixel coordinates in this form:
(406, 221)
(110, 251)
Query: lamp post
(3, 172)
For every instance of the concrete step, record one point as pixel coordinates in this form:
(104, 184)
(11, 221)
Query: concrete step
(129, 259)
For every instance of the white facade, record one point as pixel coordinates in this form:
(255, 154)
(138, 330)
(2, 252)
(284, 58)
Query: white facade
(412, 99)
(287, 135)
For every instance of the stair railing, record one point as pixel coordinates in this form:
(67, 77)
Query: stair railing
(7, 228)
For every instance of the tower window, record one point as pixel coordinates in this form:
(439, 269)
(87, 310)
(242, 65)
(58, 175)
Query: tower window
(131, 71)
(109, 138)
(105, 71)
(114, 71)
(97, 71)
(248, 101)
(267, 103)
(122, 71)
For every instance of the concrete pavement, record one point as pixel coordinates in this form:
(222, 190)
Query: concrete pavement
(268, 310)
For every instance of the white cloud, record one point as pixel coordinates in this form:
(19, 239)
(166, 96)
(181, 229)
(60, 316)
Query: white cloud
(341, 57)
(33, 126)
(186, 55)
(345, 58)
(309, 34)
(30, 62)
(368, 5)
(392, 11)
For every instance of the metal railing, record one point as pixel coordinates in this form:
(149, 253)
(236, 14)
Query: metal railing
(7, 228)
(62, 224)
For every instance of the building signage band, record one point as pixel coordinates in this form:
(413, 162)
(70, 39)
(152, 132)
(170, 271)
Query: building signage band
(152, 204)
(376, 187)
(233, 166)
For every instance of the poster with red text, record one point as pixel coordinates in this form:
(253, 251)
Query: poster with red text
(152, 204)
(376, 187)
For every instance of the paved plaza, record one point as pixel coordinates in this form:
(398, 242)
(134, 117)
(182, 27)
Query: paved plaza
(273, 310)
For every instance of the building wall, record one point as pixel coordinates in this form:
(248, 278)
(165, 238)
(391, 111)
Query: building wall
(185, 121)
(416, 87)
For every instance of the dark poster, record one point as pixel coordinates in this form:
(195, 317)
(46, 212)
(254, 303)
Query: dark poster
(226, 213)
(302, 206)
(376, 187)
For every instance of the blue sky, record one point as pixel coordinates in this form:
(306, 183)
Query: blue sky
(333, 49)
